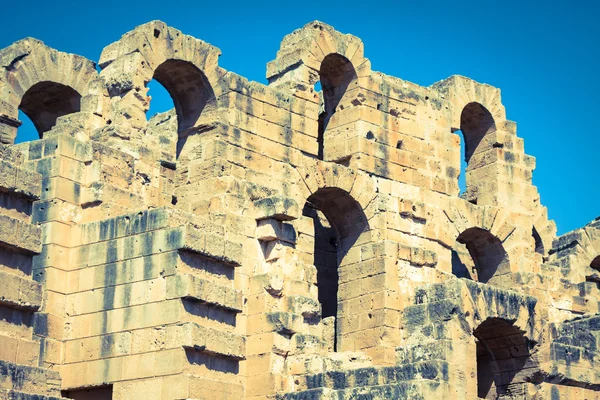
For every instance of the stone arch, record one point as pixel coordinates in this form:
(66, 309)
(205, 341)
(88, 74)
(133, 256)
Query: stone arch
(489, 258)
(337, 74)
(478, 128)
(471, 232)
(187, 67)
(461, 91)
(303, 51)
(317, 52)
(42, 82)
(503, 358)
(189, 88)
(476, 122)
(340, 203)
(340, 227)
(339, 223)
(45, 101)
(317, 175)
(476, 110)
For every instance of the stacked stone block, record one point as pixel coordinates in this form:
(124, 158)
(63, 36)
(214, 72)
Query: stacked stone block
(23, 331)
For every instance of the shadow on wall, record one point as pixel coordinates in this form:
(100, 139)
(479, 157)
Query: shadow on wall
(41, 106)
(190, 92)
(336, 73)
(94, 393)
(594, 276)
(338, 222)
(476, 126)
(487, 253)
(503, 359)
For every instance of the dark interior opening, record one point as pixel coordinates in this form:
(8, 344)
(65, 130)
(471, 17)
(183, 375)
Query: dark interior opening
(336, 73)
(338, 222)
(595, 264)
(45, 101)
(92, 393)
(320, 136)
(475, 123)
(459, 269)
(487, 253)
(594, 275)
(503, 359)
(190, 90)
(539, 245)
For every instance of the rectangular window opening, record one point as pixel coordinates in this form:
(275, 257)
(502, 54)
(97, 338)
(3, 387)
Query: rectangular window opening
(91, 393)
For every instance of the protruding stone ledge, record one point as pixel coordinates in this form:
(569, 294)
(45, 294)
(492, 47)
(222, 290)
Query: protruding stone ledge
(277, 207)
(212, 341)
(284, 322)
(8, 128)
(23, 237)
(270, 229)
(155, 231)
(432, 370)
(193, 287)
(29, 379)
(212, 246)
(20, 293)
(20, 181)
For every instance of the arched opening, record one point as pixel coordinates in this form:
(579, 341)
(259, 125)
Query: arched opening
(537, 239)
(486, 251)
(476, 122)
(503, 359)
(594, 275)
(461, 265)
(162, 120)
(339, 223)
(160, 99)
(190, 92)
(45, 101)
(27, 131)
(462, 176)
(336, 74)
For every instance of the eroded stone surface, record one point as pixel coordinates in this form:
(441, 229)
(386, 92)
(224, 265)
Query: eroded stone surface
(272, 241)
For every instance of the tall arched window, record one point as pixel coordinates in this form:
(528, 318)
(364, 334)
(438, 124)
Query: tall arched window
(338, 222)
(45, 101)
(489, 259)
(336, 74)
(502, 358)
(27, 130)
(191, 93)
(476, 124)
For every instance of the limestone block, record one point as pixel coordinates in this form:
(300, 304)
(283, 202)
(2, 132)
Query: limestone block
(271, 229)
(280, 208)
(199, 338)
(190, 286)
(20, 293)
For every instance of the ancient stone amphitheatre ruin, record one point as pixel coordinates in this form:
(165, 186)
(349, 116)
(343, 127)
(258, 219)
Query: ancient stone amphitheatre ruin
(274, 241)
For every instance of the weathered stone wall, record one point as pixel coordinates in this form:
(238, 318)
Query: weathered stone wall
(274, 241)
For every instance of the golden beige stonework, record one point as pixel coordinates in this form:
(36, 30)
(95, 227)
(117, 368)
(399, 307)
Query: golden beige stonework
(277, 242)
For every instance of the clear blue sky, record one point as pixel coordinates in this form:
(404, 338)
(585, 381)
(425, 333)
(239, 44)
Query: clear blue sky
(543, 55)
